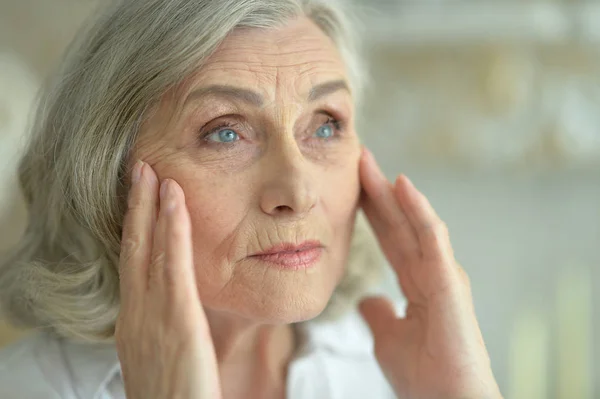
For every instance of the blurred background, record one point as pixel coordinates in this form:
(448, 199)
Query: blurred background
(493, 109)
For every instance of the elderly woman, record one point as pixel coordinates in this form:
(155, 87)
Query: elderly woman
(193, 182)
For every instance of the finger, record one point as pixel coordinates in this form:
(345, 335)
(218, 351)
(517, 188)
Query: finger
(383, 210)
(157, 258)
(431, 231)
(379, 313)
(372, 214)
(137, 231)
(179, 263)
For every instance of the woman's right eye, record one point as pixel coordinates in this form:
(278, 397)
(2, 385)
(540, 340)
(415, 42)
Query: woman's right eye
(223, 136)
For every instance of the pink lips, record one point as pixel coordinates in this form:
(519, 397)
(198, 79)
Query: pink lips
(291, 256)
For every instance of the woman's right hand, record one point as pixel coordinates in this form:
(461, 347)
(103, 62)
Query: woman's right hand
(162, 335)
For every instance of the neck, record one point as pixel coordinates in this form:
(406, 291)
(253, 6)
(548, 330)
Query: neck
(252, 357)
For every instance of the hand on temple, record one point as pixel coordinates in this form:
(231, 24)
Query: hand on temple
(436, 351)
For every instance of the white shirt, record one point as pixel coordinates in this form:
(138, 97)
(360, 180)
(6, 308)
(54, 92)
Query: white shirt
(336, 362)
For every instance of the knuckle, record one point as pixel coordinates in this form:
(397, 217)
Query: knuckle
(155, 271)
(130, 246)
(170, 280)
(157, 258)
(135, 202)
(437, 231)
(398, 222)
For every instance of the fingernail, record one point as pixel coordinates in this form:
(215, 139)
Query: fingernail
(163, 189)
(136, 174)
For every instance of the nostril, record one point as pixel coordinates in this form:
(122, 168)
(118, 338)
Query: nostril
(283, 209)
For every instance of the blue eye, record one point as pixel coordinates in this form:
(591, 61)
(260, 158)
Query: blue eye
(325, 131)
(223, 136)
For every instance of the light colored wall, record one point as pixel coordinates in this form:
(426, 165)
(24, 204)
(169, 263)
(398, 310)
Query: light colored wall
(33, 33)
(519, 218)
(523, 223)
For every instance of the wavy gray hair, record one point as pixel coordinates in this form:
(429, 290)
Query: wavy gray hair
(62, 276)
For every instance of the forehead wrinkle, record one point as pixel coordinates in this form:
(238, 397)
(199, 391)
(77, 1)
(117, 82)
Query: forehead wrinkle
(276, 52)
(284, 68)
(246, 65)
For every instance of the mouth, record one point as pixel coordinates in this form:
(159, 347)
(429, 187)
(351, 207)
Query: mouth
(292, 256)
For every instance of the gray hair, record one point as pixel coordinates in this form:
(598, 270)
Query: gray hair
(62, 276)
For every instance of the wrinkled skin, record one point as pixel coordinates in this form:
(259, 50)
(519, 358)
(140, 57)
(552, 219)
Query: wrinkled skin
(273, 158)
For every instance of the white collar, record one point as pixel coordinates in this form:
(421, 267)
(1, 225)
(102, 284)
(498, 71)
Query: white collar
(348, 336)
(92, 366)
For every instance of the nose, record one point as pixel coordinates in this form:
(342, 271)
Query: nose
(288, 189)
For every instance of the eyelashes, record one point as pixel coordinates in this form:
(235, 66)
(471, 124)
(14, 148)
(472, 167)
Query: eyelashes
(228, 132)
(218, 132)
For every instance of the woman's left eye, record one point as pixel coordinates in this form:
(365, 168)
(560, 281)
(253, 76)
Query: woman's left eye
(223, 136)
(328, 129)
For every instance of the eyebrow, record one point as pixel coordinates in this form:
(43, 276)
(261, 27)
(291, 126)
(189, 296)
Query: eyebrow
(327, 88)
(256, 99)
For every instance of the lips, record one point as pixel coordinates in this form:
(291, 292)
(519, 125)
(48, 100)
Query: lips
(288, 247)
(292, 256)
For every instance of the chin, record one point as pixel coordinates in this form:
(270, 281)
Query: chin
(288, 307)
(271, 296)
(295, 310)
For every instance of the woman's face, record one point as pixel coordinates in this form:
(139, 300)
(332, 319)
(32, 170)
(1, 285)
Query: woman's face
(266, 153)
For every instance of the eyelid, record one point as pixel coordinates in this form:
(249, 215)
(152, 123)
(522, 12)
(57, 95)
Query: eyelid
(341, 109)
(337, 125)
(218, 130)
(239, 125)
(226, 121)
(206, 135)
(334, 113)
(338, 121)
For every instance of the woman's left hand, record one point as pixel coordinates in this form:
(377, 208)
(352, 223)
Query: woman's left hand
(436, 351)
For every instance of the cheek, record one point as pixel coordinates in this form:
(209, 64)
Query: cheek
(340, 205)
(216, 211)
(341, 188)
(340, 196)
